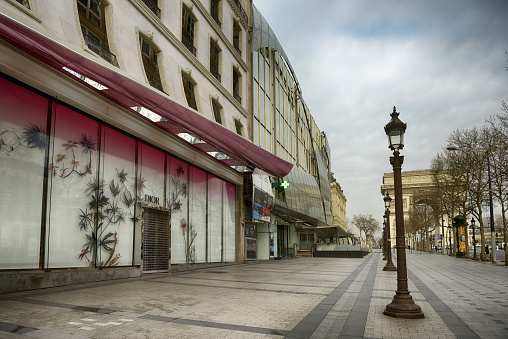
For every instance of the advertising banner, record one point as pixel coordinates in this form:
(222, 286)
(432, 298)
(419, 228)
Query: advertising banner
(262, 205)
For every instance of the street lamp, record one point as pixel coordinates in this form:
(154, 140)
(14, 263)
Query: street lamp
(389, 264)
(492, 229)
(474, 240)
(402, 305)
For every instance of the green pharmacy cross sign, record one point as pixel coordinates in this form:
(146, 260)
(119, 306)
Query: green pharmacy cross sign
(284, 184)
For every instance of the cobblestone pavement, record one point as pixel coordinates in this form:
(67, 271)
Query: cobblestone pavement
(294, 298)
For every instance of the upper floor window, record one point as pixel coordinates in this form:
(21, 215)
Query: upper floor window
(237, 36)
(215, 11)
(238, 127)
(217, 112)
(153, 5)
(188, 23)
(236, 85)
(25, 3)
(190, 95)
(150, 64)
(93, 27)
(214, 59)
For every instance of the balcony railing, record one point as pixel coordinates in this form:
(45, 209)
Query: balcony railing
(101, 50)
(237, 2)
(237, 96)
(189, 44)
(215, 72)
(153, 7)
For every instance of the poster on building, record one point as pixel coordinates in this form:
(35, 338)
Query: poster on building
(261, 205)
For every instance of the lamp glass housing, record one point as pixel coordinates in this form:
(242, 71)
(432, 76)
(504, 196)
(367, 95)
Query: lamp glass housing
(387, 200)
(396, 139)
(395, 131)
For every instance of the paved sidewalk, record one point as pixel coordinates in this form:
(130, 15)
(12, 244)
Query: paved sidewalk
(293, 298)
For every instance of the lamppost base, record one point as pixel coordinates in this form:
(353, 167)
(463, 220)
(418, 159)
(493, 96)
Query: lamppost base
(389, 267)
(404, 307)
(476, 258)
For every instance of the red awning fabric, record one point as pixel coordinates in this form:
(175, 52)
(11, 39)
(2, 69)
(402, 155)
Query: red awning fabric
(125, 91)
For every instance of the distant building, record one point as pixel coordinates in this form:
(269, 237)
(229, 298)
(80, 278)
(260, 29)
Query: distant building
(339, 204)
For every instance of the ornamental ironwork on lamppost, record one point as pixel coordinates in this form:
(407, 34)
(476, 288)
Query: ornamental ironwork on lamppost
(402, 305)
(389, 264)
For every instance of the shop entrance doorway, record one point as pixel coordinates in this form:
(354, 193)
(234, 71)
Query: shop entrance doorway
(306, 241)
(156, 240)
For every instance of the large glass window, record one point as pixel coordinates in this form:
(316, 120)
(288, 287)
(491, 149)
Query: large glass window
(178, 203)
(23, 147)
(117, 191)
(75, 192)
(197, 216)
(215, 210)
(229, 222)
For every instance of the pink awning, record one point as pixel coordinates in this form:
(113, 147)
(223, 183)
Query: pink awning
(126, 91)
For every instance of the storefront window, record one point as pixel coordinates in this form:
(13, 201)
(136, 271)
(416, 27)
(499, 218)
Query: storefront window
(117, 217)
(75, 191)
(229, 220)
(177, 202)
(23, 147)
(197, 216)
(215, 219)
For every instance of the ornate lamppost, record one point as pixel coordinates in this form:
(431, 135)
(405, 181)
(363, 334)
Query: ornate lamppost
(402, 305)
(389, 264)
(475, 257)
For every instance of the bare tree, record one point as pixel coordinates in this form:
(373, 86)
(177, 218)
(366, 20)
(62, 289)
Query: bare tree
(366, 223)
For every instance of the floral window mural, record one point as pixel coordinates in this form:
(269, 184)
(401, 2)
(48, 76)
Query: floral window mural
(215, 219)
(76, 191)
(229, 220)
(116, 215)
(23, 146)
(197, 217)
(182, 234)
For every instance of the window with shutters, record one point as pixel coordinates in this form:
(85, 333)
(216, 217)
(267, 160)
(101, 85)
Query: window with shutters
(156, 240)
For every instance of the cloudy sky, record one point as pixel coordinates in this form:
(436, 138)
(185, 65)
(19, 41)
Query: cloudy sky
(440, 62)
